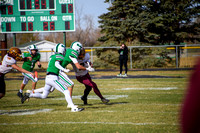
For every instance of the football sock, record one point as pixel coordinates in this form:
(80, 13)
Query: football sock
(68, 98)
(39, 90)
(21, 91)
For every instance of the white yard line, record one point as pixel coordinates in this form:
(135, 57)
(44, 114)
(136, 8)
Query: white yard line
(104, 123)
(95, 97)
(164, 88)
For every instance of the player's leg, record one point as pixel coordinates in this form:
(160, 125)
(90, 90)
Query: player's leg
(87, 81)
(40, 90)
(34, 80)
(23, 84)
(66, 81)
(86, 93)
(62, 88)
(120, 66)
(2, 86)
(42, 95)
(125, 65)
(95, 88)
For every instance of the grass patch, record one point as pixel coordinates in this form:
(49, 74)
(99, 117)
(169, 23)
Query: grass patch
(146, 106)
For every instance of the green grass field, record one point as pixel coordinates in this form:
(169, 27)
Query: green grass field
(137, 105)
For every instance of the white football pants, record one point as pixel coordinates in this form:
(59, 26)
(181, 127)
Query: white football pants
(53, 81)
(28, 77)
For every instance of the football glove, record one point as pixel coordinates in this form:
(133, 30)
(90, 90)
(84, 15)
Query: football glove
(89, 68)
(66, 70)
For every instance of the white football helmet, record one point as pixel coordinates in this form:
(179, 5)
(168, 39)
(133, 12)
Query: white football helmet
(60, 49)
(77, 46)
(32, 47)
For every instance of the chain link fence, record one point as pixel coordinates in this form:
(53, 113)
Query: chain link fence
(181, 56)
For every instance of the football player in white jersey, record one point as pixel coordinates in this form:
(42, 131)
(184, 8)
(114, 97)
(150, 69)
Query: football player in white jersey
(9, 63)
(84, 77)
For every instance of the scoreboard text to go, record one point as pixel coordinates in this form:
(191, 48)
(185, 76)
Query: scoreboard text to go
(26, 16)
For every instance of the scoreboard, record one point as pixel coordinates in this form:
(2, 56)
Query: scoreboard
(30, 16)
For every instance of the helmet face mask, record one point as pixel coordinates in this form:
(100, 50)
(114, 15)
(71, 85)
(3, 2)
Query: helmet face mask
(60, 49)
(77, 46)
(32, 47)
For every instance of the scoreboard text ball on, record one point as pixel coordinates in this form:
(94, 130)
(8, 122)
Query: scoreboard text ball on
(28, 16)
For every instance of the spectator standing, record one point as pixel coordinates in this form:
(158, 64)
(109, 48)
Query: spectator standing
(123, 58)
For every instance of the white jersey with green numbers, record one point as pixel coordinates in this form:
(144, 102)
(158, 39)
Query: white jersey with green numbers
(51, 65)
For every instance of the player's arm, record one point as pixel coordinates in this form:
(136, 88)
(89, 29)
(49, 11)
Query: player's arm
(26, 57)
(39, 64)
(57, 64)
(21, 69)
(78, 66)
(38, 61)
(90, 63)
(87, 59)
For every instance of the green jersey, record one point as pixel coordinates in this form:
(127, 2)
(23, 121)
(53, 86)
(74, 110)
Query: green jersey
(29, 65)
(51, 65)
(67, 60)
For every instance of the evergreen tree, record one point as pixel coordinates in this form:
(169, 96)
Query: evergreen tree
(151, 21)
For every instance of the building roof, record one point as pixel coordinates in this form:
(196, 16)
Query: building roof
(44, 44)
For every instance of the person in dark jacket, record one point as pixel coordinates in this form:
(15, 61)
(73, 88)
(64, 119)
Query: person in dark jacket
(123, 58)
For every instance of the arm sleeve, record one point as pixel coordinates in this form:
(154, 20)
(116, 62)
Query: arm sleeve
(86, 58)
(74, 60)
(126, 51)
(38, 57)
(119, 51)
(57, 64)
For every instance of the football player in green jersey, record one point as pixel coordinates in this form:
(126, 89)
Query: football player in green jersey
(29, 66)
(52, 79)
(71, 56)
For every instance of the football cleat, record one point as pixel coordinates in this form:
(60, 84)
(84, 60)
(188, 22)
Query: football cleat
(25, 97)
(84, 100)
(119, 75)
(28, 91)
(69, 106)
(105, 100)
(125, 75)
(75, 109)
(20, 95)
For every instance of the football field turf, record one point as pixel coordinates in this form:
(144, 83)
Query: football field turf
(148, 102)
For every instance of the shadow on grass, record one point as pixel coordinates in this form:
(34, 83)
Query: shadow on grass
(14, 112)
(111, 103)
